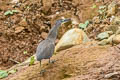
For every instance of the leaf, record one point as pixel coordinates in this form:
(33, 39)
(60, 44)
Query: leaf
(27, 7)
(100, 11)
(8, 13)
(103, 35)
(32, 60)
(25, 52)
(3, 74)
(87, 22)
(12, 71)
(83, 26)
(102, 7)
(14, 11)
(94, 6)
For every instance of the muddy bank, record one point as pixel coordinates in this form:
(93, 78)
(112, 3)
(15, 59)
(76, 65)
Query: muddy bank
(87, 61)
(22, 31)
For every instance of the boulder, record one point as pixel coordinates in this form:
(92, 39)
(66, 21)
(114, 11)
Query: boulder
(70, 38)
(116, 39)
(112, 8)
(19, 29)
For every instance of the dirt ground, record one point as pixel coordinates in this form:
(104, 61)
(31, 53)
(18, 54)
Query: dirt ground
(21, 32)
(83, 62)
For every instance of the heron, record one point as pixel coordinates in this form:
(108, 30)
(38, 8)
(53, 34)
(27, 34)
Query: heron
(46, 47)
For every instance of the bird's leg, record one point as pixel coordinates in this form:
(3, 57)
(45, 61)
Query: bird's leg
(41, 71)
(40, 63)
(40, 67)
(49, 60)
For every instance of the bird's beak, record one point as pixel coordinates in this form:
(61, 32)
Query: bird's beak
(66, 20)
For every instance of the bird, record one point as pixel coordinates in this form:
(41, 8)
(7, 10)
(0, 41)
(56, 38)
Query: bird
(46, 47)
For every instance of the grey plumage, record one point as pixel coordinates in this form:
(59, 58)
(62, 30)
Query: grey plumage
(45, 48)
(48, 50)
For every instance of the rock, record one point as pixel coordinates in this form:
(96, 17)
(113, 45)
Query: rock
(118, 31)
(79, 2)
(42, 28)
(70, 38)
(103, 35)
(112, 28)
(44, 35)
(15, 19)
(116, 20)
(19, 29)
(76, 2)
(113, 39)
(14, 1)
(110, 39)
(112, 8)
(116, 39)
(103, 42)
(74, 21)
(46, 5)
(23, 23)
(107, 41)
(96, 20)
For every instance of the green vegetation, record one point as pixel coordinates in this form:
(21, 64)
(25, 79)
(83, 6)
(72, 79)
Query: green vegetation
(83, 25)
(3, 74)
(32, 60)
(25, 52)
(10, 12)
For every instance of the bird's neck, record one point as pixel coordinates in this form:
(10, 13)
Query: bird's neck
(53, 32)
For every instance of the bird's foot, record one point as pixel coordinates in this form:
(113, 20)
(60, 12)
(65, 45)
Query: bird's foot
(42, 71)
(52, 61)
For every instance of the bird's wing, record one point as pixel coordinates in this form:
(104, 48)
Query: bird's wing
(45, 50)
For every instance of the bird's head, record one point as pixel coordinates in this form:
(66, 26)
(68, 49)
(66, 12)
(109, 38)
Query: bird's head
(53, 32)
(60, 21)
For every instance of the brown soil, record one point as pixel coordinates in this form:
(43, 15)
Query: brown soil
(24, 30)
(82, 62)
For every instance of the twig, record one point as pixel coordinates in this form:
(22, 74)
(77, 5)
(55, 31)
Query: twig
(107, 76)
(14, 61)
